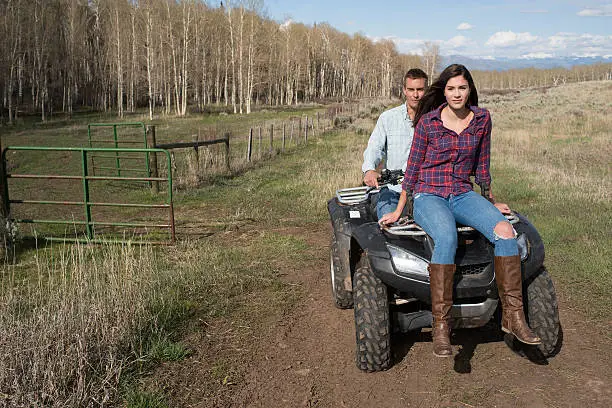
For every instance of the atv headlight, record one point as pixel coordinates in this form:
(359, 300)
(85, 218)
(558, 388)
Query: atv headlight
(407, 262)
(523, 246)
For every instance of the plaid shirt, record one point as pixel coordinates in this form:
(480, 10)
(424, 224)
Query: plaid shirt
(441, 162)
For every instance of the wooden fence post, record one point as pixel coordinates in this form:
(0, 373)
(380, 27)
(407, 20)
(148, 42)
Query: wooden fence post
(259, 144)
(300, 127)
(318, 121)
(271, 138)
(196, 139)
(283, 148)
(250, 145)
(312, 127)
(4, 205)
(306, 131)
(227, 152)
(292, 127)
(153, 158)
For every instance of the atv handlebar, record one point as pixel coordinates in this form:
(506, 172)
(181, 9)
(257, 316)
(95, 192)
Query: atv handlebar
(392, 177)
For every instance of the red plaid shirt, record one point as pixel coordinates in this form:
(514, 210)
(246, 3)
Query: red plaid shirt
(441, 161)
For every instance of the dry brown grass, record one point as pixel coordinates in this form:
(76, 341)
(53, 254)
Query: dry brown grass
(562, 135)
(66, 332)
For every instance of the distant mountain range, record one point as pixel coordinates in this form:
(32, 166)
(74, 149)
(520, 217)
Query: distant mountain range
(503, 64)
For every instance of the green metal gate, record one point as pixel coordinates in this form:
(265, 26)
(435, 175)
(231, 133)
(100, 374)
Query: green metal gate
(84, 179)
(126, 163)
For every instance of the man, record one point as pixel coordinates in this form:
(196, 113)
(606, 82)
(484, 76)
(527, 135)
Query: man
(391, 139)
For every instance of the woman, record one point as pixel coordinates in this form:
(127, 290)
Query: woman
(452, 142)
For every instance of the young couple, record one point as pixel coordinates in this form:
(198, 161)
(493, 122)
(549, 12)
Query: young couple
(451, 141)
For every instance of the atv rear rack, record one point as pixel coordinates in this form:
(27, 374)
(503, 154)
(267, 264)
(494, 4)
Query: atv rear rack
(407, 227)
(404, 226)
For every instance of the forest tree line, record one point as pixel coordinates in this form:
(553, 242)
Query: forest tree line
(168, 55)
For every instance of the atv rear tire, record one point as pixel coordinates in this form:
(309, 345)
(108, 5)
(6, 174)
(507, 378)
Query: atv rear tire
(343, 298)
(372, 324)
(543, 315)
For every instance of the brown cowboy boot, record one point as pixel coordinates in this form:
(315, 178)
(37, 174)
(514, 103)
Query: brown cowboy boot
(441, 283)
(509, 285)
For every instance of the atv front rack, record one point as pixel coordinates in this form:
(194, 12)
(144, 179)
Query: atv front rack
(407, 227)
(354, 195)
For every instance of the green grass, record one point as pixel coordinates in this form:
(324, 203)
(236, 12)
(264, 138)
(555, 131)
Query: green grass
(576, 236)
(163, 349)
(140, 399)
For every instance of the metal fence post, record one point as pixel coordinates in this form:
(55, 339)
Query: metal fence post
(88, 227)
(117, 162)
(153, 157)
(93, 165)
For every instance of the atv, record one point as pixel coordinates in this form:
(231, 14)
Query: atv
(381, 272)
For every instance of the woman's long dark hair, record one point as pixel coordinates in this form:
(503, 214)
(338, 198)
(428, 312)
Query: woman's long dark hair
(434, 96)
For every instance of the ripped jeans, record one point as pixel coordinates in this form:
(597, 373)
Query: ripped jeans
(438, 217)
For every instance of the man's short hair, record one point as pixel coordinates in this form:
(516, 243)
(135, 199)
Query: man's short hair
(415, 73)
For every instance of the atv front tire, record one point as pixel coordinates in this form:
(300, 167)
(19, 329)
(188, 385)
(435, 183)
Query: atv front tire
(542, 313)
(372, 324)
(343, 298)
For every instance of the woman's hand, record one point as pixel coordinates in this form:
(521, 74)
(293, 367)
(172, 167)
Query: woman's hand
(503, 208)
(389, 218)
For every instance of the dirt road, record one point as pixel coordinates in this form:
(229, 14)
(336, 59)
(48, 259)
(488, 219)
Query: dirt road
(305, 358)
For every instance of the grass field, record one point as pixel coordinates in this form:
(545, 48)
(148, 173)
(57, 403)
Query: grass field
(82, 322)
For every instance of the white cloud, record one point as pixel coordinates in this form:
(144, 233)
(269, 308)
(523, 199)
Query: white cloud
(458, 41)
(508, 44)
(580, 44)
(536, 55)
(459, 44)
(455, 45)
(465, 26)
(505, 39)
(603, 11)
(286, 25)
(405, 45)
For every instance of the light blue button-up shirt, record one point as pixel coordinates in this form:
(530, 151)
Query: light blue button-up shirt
(390, 140)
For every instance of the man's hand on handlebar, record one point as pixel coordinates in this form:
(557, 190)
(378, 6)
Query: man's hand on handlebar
(370, 178)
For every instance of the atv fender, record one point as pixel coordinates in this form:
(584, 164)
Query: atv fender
(369, 238)
(342, 231)
(535, 259)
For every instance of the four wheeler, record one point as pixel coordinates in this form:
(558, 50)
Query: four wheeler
(382, 273)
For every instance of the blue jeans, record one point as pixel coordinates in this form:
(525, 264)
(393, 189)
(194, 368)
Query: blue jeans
(387, 201)
(438, 217)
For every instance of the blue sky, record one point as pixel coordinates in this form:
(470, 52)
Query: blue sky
(486, 29)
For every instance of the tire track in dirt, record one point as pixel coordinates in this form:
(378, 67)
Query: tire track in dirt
(307, 360)
(304, 357)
